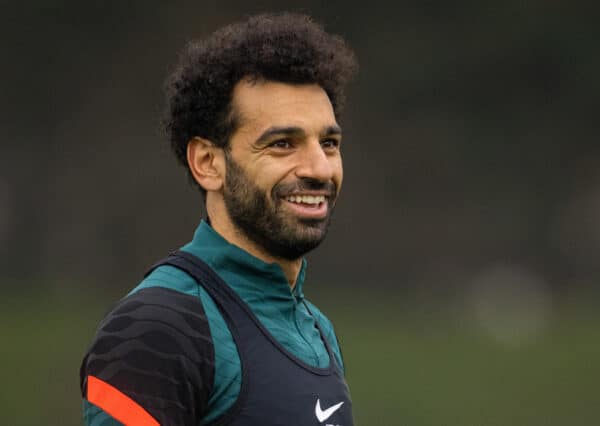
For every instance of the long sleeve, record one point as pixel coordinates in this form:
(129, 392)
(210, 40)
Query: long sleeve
(151, 362)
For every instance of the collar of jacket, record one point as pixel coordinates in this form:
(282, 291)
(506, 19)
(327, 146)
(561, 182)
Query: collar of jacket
(253, 279)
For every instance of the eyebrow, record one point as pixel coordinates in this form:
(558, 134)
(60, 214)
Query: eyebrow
(293, 131)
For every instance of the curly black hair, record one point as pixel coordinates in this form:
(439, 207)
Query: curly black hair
(286, 47)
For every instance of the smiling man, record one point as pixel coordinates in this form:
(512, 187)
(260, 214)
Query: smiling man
(219, 332)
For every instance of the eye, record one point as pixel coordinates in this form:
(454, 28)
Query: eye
(330, 143)
(281, 144)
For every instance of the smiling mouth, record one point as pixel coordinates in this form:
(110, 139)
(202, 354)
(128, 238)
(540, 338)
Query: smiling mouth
(311, 200)
(308, 206)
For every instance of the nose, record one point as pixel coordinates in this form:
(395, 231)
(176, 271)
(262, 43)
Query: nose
(314, 163)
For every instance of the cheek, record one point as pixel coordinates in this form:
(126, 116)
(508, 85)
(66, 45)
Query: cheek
(338, 172)
(267, 175)
(267, 178)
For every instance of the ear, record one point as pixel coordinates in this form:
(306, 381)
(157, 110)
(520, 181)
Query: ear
(206, 162)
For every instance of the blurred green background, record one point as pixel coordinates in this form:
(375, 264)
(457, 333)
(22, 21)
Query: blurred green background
(408, 362)
(462, 268)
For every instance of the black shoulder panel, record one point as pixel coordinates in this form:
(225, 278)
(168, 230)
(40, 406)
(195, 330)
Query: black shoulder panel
(155, 347)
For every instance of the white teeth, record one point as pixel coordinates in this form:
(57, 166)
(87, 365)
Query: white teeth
(306, 199)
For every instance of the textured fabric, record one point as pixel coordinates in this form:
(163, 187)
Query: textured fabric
(116, 403)
(277, 388)
(227, 365)
(94, 416)
(155, 348)
(265, 289)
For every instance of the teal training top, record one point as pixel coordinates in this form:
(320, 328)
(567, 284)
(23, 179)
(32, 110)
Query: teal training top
(265, 289)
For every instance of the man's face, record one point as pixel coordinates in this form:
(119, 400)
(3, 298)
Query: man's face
(284, 168)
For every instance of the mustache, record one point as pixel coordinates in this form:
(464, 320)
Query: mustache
(305, 184)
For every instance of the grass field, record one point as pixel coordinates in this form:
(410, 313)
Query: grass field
(407, 364)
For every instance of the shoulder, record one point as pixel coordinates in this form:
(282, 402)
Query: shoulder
(328, 330)
(154, 347)
(170, 277)
(168, 312)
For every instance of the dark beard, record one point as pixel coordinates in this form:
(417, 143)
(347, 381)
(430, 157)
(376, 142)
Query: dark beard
(259, 215)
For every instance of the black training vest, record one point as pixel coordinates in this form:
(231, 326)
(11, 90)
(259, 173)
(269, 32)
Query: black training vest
(277, 389)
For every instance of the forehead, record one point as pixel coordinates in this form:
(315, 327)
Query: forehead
(263, 104)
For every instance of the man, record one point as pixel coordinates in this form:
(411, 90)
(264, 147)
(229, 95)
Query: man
(220, 332)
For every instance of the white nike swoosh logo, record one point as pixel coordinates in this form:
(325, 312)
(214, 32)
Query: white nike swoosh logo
(324, 415)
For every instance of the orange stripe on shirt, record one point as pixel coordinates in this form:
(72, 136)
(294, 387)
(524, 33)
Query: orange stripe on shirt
(117, 404)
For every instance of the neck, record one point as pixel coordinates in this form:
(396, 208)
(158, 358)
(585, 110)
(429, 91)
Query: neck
(222, 224)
